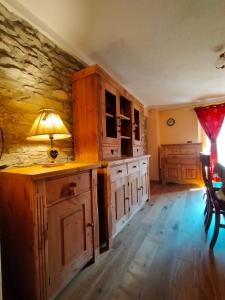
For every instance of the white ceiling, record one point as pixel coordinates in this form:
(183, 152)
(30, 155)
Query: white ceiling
(163, 51)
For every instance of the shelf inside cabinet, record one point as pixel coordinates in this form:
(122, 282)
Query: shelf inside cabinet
(123, 117)
(109, 115)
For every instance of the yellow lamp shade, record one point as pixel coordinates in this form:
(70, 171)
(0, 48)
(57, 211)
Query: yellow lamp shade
(48, 125)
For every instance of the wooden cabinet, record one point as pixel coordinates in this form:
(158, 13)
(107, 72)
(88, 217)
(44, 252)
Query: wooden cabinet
(109, 128)
(50, 226)
(180, 163)
(128, 190)
(108, 120)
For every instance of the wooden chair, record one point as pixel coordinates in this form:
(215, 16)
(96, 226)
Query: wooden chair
(213, 204)
(205, 160)
(218, 208)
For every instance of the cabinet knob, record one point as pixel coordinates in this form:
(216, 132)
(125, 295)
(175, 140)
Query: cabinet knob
(127, 198)
(134, 167)
(73, 184)
(90, 225)
(139, 189)
(119, 171)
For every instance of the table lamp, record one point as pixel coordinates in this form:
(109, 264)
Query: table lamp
(48, 126)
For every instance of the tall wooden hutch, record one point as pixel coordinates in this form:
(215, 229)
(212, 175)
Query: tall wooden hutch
(109, 128)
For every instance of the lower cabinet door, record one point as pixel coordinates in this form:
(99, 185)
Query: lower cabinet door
(134, 191)
(70, 239)
(172, 172)
(119, 203)
(190, 173)
(144, 185)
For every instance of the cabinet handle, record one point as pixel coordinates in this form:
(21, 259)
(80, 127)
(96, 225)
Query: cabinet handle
(139, 189)
(90, 225)
(144, 163)
(127, 198)
(73, 185)
(134, 167)
(72, 191)
(112, 151)
(119, 171)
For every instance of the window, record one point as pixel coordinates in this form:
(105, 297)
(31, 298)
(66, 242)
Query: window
(220, 143)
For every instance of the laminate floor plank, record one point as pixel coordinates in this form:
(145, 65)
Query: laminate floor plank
(162, 254)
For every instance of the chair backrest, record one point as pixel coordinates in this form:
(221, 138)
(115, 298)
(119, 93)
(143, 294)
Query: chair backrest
(205, 160)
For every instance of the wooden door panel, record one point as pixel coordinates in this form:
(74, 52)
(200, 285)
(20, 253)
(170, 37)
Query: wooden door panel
(190, 172)
(144, 185)
(73, 229)
(119, 203)
(70, 242)
(172, 172)
(134, 191)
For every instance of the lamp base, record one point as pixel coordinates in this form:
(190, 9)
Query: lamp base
(52, 164)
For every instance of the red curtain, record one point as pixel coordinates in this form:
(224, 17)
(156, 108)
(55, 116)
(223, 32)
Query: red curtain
(211, 119)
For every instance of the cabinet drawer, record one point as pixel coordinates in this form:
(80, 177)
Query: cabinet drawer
(73, 185)
(118, 171)
(133, 167)
(180, 160)
(182, 150)
(143, 164)
(137, 151)
(110, 152)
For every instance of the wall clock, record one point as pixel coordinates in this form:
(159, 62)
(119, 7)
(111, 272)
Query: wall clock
(170, 122)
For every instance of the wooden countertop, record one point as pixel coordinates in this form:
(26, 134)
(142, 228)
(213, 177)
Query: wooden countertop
(120, 161)
(38, 171)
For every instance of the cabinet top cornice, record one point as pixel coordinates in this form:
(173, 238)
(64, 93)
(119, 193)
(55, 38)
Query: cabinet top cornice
(96, 69)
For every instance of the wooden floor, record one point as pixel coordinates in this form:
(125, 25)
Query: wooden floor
(163, 254)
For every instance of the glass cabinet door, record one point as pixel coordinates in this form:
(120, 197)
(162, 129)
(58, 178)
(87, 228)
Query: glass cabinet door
(110, 115)
(137, 125)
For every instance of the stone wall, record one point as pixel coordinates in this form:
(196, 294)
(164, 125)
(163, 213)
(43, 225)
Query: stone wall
(34, 73)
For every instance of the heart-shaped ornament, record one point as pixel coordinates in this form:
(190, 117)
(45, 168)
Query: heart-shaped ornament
(53, 153)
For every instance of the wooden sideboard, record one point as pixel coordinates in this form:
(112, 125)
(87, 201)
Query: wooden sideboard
(49, 226)
(180, 163)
